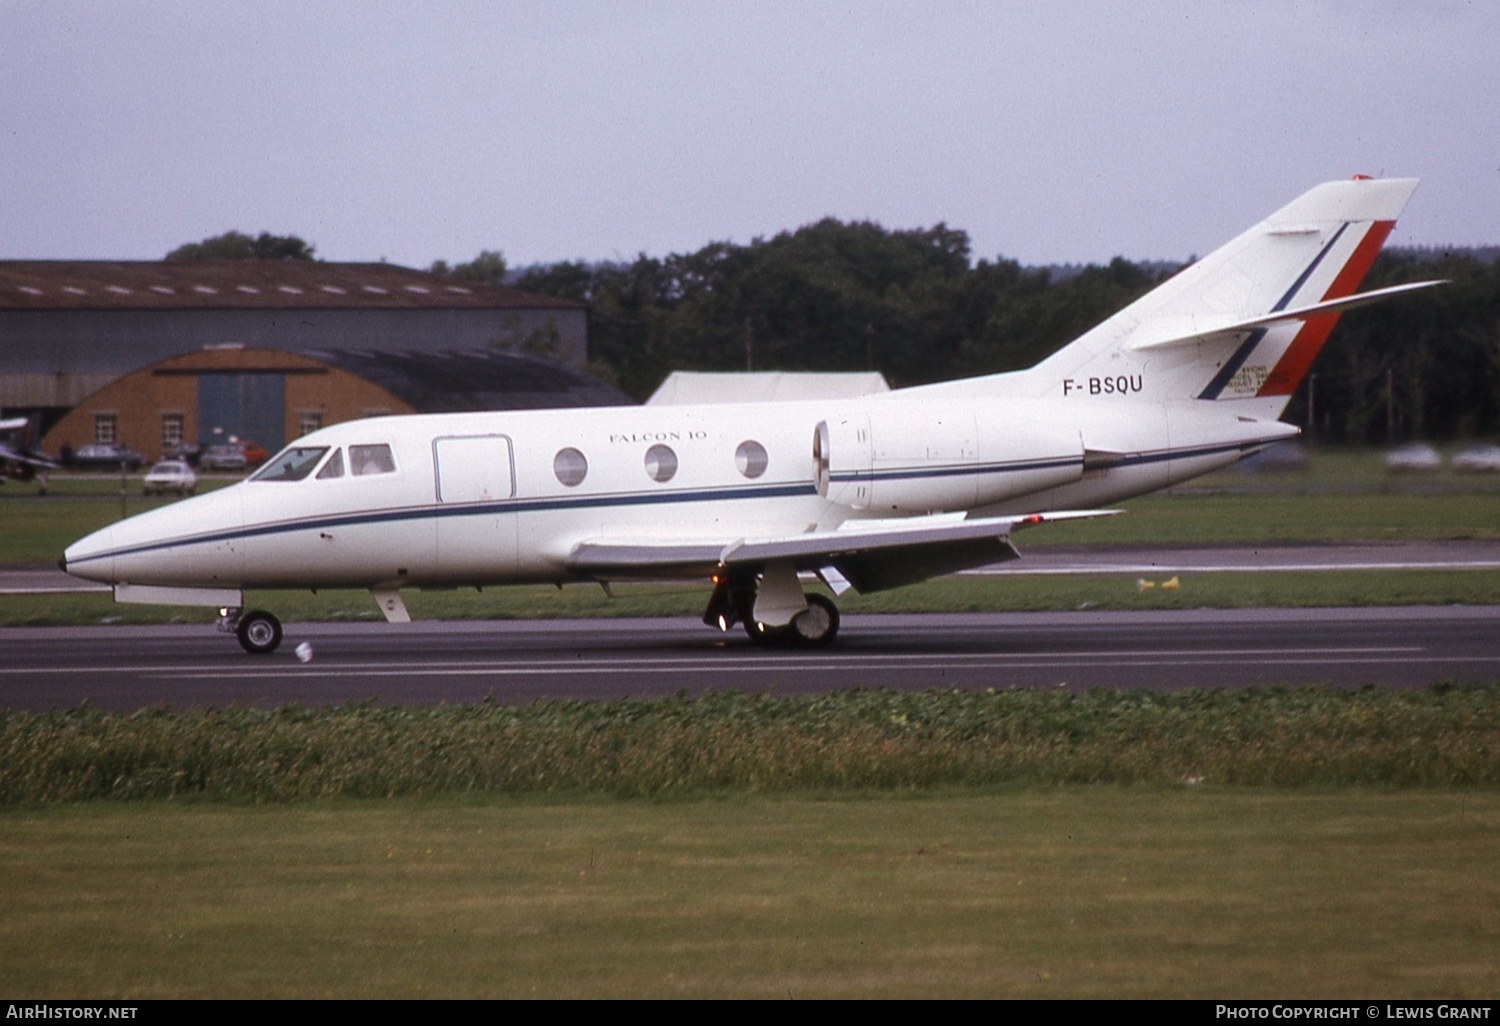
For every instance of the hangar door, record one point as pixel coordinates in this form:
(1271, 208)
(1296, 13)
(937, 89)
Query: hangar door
(244, 405)
(476, 540)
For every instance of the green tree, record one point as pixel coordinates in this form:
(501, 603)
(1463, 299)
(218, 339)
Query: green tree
(488, 266)
(234, 245)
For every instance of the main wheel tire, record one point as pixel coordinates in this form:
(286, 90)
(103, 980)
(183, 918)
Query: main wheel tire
(766, 637)
(818, 624)
(259, 632)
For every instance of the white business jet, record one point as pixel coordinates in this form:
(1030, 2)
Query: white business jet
(868, 493)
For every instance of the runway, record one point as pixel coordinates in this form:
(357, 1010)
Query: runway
(127, 668)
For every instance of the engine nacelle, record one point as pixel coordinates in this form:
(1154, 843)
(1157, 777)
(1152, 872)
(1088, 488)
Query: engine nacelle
(930, 458)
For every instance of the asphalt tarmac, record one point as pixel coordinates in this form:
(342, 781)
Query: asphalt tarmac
(126, 668)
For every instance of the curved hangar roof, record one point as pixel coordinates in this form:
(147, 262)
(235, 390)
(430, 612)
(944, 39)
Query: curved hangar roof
(246, 284)
(456, 382)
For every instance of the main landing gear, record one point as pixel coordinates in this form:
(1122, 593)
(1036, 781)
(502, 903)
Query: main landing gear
(259, 632)
(773, 609)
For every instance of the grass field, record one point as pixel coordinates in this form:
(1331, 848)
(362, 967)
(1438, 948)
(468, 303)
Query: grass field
(1071, 892)
(947, 595)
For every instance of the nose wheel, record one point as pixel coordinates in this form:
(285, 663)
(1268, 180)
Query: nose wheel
(259, 632)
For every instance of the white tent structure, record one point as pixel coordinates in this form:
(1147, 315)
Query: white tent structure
(687, 388)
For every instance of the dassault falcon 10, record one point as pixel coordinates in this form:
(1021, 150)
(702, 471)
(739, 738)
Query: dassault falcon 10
(868, 493)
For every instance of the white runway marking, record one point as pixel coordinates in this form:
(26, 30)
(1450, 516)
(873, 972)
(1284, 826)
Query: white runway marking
(1217, 568)
(847, 661)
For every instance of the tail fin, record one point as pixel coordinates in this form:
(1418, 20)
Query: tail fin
(1246, 321)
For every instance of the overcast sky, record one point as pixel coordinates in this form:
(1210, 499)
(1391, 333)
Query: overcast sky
(412, 131)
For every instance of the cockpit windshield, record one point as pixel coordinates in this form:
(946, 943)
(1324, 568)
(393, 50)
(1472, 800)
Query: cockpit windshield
(292, 464)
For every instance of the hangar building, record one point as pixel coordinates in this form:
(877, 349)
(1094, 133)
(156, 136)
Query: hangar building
(142, 352)
(67, 328)
(273, 397)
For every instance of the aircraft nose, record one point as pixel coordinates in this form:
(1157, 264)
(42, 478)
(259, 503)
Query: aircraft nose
(90, 557)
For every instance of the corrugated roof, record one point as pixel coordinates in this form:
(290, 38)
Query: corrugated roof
(246, 284)
(458, 382)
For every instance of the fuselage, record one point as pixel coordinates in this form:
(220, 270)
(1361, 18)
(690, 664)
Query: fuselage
(505, 497)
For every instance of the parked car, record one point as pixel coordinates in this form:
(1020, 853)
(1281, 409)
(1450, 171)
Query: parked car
(171, 476)
(187, 452)
(255, 453)
(222, 457)
(102, 456)
(1413, 457)
(1478, 459)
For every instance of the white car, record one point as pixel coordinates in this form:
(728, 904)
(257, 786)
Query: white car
(1413, 457)
(171, 476)
(1478, 459)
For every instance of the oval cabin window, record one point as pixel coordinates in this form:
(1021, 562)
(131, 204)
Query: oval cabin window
(661, 463)
(751, 458)
(570, 466)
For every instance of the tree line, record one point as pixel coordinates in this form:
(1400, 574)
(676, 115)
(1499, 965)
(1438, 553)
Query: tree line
(912, 304)
(915, 305)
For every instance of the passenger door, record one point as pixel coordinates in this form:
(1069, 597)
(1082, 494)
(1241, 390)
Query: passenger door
(476, 524)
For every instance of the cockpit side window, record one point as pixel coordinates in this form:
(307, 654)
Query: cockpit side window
(334, 467)
(293, 463)
(365, 460)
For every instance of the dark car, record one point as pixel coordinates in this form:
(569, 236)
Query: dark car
(102, 456)
(222, 457)
(187, 452)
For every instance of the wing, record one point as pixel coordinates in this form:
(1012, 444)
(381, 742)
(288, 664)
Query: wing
(9, 454)
(872, 555)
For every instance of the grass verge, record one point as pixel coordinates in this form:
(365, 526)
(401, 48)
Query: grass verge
(739, 743)
(962, 594)
(1039, 892)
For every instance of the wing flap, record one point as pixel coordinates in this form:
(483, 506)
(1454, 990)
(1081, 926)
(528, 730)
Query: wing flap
(871, 554)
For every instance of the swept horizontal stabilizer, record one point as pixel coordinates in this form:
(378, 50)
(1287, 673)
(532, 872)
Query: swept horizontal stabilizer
(1162, 336)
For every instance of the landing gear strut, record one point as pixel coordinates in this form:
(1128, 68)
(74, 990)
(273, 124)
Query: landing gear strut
(733, 602)
(258, 631)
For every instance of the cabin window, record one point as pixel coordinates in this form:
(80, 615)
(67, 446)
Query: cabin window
(334, 467)
(293, 464)
(365, 460)
(570, 466)
(751, 458)
(661, 463)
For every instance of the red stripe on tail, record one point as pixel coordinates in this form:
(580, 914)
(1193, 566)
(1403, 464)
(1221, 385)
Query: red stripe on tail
(1294, 363)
